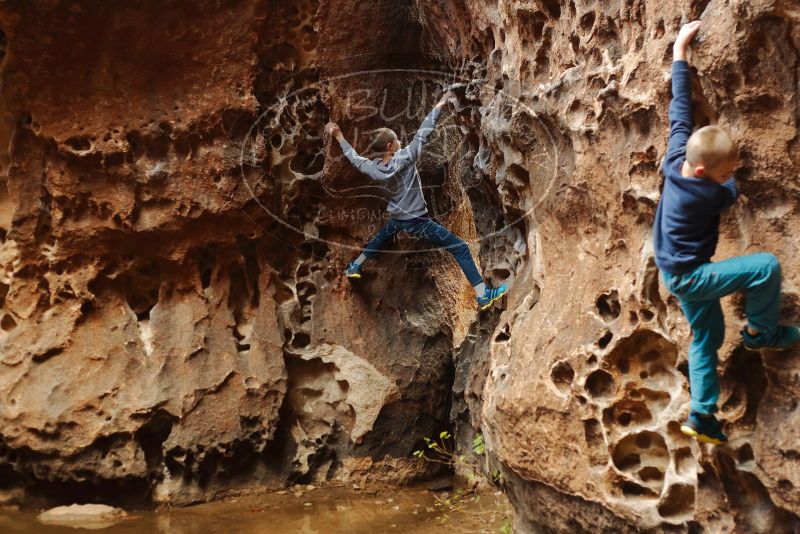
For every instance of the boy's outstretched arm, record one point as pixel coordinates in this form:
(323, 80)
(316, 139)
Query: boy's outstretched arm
(362, 164)
(409, 154)
(680, 109)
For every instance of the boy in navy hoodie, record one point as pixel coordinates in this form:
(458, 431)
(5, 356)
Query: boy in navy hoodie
(397, 172)
(697, 188)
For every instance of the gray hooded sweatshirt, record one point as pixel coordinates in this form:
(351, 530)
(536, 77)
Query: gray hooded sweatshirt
(399, 176)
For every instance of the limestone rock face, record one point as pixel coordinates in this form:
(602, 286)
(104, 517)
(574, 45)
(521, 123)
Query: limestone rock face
(174, 322)
(584, 385)
(174, 225)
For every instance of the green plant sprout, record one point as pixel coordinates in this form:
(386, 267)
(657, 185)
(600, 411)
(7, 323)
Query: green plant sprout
(441, 450)
(478, 446)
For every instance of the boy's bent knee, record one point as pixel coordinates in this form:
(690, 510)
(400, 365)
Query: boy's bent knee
(457, 245)
(460, 249)
(771, 263)
(766, 264)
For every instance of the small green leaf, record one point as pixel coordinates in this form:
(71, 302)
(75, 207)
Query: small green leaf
(478, 445)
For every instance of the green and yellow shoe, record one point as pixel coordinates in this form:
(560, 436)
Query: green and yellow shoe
(705, 428)
(490, 296)
(353, 270)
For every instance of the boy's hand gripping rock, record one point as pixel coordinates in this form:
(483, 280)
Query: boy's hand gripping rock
(685, 36)
(333, 130)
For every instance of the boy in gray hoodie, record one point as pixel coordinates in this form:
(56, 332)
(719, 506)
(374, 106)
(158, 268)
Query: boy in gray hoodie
(397, 172)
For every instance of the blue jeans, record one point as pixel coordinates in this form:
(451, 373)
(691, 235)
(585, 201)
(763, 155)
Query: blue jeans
(699, 292)
(434, 233)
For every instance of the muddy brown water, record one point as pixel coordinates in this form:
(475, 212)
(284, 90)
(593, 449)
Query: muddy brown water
(319, 511)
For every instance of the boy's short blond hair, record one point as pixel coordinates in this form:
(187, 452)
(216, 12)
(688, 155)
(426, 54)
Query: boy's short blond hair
(383, 136)
(712, 147)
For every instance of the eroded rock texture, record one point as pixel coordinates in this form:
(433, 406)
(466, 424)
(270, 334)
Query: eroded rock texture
(584, 391)
(173, 229)
(174, 320)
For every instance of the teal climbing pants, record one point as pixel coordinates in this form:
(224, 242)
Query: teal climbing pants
(699, 292)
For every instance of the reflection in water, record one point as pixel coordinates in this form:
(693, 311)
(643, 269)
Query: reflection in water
(319, 511)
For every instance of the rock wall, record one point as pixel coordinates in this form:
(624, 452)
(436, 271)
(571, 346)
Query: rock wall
(174, 319)
(585, 382)
(173, 229)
